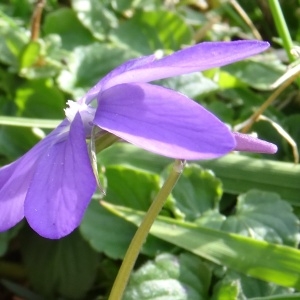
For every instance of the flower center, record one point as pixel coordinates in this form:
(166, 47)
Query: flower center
(87, 114)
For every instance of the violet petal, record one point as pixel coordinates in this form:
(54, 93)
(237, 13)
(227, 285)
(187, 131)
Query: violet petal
(162, 121)
(13, 188)
(15, 179)
(245, 142)
(62, 186)
(125, 67)
(200, 57)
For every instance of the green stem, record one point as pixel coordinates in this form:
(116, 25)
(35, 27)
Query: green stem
(143, 230)
(105, 141)
(28, 122)
(282, 28)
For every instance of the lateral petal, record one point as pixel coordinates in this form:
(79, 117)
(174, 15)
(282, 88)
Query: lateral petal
(162, 121)
(62, 186)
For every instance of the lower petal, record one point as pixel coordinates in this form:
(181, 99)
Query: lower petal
(15, 179)
(162, 121)
(62, 186)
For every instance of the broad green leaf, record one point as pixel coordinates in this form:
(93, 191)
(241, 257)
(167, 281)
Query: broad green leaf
(256, 74)
(171, 278)
(30, 54)
(14, 141)
(256, 216)
(40, 98)
(242, 99)
(295, 296)
(88, 65)
(44, 59)
(148, 31)
(221, 110)
(133, 157)
(64, 22)
(240, 173)
(125, 186)
(112, 235)
(12, 41)
(196, 192)
(67, 266)
(131, 187)
(247, 287)
(95, 16)
(191, 85)
(243, 254)
(123, 5)
(211, 219)
(105, 232)
(225, 290)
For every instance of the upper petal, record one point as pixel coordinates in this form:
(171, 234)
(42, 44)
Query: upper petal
(200, 57)
(162, 121)
(62, 185)
(131, 64)
(245, 142)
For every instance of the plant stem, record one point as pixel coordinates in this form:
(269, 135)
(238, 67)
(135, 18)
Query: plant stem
(143, 230)
(36, 20)
(282, 28)
(106, 140)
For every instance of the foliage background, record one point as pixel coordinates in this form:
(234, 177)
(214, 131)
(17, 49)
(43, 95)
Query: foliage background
(230, 229)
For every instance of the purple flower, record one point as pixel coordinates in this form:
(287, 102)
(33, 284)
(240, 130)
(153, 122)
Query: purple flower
(52, 184)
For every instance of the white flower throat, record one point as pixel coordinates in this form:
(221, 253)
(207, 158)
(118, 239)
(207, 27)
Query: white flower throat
(87, 113)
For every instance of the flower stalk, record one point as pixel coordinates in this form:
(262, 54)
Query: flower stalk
(143, 230)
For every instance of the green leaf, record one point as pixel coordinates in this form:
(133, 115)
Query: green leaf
(105, 232)
(89, 65)
(259, 75)
(12, 41)
(196, 192)
(133, 157)
(123, 5)
(67, 266)
(98, 225)
(247, 287)
(15, 141)
(240, 173)
(148, 31)
(131, 187)
(225, 290)
(126, 186)
(256, 216)
(40, 98)
(64, 22)
(191, 85)
(246, 255)
(170, 278)
(95, 16)
(30, 54)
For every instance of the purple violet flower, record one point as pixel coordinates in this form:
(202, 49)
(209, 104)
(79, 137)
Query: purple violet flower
(52, 184)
